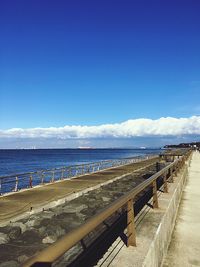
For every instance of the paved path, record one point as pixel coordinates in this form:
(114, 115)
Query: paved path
(18, 203)
(184, 249)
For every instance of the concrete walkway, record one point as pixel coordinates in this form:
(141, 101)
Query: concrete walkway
(16, 204)
(184, 249)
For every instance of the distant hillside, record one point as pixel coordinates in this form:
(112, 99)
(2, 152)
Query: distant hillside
(184, 145)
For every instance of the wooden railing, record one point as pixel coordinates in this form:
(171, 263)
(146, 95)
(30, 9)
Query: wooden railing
(57, 249)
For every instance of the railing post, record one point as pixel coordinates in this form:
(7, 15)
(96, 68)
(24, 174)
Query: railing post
(180, 165)
(176, 169)
(69, 172)
(62, 174)
(83, 169)
(16, 184)
(1, 187)
(165, 183)
(155, 195)
(131, 234)
(42, 178)
(189, 161)
(31, 181)
(171, 175)
(53, 176)
(182, 162)
(157, 166)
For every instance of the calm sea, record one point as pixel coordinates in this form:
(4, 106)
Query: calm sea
(19, 161)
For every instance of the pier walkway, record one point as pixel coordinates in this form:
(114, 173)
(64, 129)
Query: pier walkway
(184, 249)
(17, 204)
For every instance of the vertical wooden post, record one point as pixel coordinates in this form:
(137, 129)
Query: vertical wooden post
(177, 168)
(31, 181)
(157, 167)
(131, 235)
(171, 175)
(165, 183)
(182, 162)
(155, 195)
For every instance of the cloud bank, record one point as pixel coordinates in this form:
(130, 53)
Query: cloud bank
(166, 126)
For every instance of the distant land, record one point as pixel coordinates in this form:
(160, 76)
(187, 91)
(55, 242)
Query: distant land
(184, 145)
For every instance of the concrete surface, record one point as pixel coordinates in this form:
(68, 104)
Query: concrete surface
(184, 249)
(153, 232)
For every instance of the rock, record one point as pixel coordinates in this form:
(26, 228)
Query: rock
(49, 239)
(106, 199)
(31, 236)
(22, 258)
(56, 211)
(46, 214)
(5, 229)
(94, 205)
(45, 222)
(60, 231)
(81, 217)
(89, 212)
(62, 216)
(33, 223)
(69, 225)
(55, 230)
(9, 264)
(4, 238)
(42, 230)
(15, 232)
(74, 208)
(19, 224)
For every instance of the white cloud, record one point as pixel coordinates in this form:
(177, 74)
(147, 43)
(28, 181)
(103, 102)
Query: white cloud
(131, 128)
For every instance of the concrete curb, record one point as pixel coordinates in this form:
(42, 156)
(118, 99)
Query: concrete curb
(159, 246)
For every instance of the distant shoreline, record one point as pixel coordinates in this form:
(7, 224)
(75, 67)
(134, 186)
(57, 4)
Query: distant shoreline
(98, 148)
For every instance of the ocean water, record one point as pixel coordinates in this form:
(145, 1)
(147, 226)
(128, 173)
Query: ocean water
(28, 160)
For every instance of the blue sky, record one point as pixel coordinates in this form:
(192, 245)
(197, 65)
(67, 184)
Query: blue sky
(97, 62)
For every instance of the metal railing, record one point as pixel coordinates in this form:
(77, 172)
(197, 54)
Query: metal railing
(16, 182)
(57, 249)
